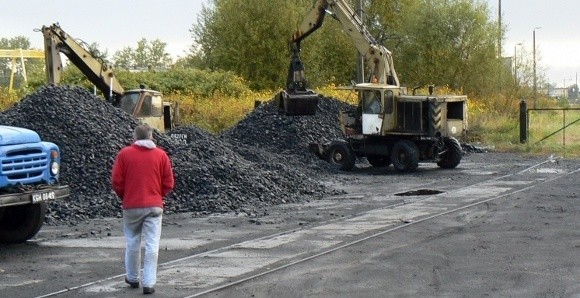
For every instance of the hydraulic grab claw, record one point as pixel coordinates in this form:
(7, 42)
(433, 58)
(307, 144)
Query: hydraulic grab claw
(297, 100)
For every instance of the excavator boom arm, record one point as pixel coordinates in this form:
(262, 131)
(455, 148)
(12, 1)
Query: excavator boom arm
(57, 41)
(379, 58)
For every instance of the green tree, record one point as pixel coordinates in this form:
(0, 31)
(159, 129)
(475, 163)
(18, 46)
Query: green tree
(189, 61)
(124, 58)
(449, 43)
(443, 42)
(147, 55)
(251, 38)
(245, 37)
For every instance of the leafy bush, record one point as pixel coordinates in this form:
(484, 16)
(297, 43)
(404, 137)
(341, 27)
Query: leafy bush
(187, 81)
(217, 111)
(8, 99)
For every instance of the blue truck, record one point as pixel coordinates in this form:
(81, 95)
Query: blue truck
(29, 179)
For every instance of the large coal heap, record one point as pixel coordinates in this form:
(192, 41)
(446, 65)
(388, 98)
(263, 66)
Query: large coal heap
(213, 174)
(266, 129)
(289, 136)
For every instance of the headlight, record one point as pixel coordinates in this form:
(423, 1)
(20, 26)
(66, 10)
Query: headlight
(54, 168)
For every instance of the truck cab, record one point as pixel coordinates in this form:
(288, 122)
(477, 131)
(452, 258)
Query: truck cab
(29, 178)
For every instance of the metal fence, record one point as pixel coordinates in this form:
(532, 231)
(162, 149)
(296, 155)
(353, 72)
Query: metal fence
(550, 125)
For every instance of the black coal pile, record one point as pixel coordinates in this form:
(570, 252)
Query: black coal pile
(212, 174)
(214, 169)
(266, 129)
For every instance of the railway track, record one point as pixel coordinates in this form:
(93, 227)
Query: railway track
(225, 267)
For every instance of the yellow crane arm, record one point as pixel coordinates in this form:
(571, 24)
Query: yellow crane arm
(57, 41)
(378, 58)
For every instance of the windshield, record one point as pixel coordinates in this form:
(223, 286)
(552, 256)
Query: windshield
(128, 102)
(151, 105)
(372, 102)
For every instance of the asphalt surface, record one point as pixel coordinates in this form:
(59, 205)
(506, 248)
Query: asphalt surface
(383, 238)
(523, 245)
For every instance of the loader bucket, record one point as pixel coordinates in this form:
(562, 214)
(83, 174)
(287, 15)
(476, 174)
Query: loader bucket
(298, 103)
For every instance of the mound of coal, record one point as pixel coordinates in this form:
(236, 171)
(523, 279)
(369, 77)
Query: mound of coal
(211, 175)
(215, 170)
(266, 129)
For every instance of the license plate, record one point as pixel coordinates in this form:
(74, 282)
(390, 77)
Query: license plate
(179, 138)
(43, 196)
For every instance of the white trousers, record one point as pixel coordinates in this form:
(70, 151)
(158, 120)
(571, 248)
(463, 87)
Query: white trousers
(142, 223)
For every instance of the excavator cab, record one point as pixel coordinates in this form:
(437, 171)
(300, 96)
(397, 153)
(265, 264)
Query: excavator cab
(148, 107)
(297, 100)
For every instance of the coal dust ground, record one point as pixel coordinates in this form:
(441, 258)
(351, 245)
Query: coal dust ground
(522, 245)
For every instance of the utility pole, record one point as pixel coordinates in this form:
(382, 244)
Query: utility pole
(499, 30)
(534, 58)
(499, 42)
(516, 63)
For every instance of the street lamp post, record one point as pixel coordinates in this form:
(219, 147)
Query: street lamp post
(534, 58)
(516, 63)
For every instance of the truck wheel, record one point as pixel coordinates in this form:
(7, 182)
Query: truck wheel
(340, 156)
(451, 158)
(379, 161)
(20, 223)
(405, 156)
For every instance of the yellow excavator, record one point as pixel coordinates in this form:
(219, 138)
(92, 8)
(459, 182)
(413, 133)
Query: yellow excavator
(388, 126)
(145, 105)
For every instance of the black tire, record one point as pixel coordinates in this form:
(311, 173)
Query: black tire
(405, 156)
(379, 161)
(20, 223)
(452, 156)
(340, 156)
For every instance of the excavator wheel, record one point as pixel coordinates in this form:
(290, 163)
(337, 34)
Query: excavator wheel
(340, 156)
(405, 156)
(452, 156)
(379, 161)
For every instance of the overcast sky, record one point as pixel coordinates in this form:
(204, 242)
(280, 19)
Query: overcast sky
(557, 41)
(115, 24)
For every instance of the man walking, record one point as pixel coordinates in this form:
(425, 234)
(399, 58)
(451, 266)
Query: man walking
(142, 176)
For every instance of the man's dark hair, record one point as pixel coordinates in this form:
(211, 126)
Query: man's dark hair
(143, 132)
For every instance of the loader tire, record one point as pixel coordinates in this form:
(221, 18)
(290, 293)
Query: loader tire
(340, 156)
(379, 161)
(20, 223)
(452, 156)
(405, 156)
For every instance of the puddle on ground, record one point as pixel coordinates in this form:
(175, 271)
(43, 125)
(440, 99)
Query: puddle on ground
(420, 192)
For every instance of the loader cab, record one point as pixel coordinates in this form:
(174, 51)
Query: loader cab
(148, 107)
(377, 103)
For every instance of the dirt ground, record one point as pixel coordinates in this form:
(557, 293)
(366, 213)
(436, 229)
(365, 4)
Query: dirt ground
(525, 244)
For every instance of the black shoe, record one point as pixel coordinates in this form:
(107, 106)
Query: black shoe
(147, 290)
(133, 284)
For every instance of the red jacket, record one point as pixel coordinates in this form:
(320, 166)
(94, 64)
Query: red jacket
(141, 176)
